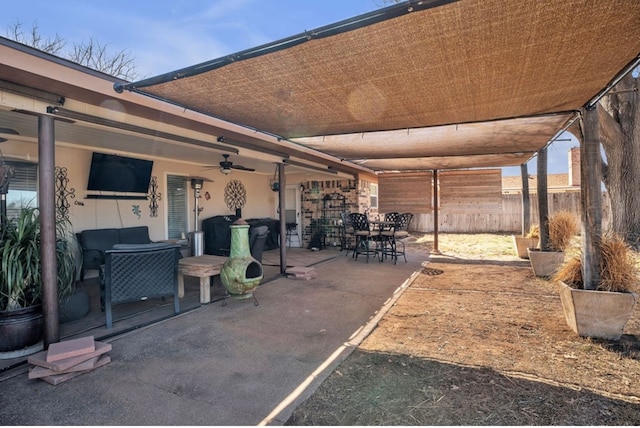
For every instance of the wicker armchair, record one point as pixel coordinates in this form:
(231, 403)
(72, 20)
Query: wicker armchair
(134, 272)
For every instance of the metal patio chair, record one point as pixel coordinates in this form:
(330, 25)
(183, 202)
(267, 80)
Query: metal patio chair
(365, 236)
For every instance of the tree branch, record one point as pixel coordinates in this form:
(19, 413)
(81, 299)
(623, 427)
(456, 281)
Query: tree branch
(610, 130)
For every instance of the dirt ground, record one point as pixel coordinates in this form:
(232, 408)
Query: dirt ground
(477, 339)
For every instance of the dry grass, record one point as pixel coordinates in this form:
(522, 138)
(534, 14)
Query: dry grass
(480, 343)
(534, 232)
(619, 271)
(479, 246)
(571, 271)
(563, 226)
(619, 265)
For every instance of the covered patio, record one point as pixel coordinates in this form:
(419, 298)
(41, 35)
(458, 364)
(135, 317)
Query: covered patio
(422, 85)
(429, 85)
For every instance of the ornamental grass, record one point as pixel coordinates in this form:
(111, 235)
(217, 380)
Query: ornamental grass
(563, 226)
(619, 271)
(534, 232)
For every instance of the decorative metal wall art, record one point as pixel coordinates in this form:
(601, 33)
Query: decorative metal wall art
(235, 195)
(154, 197)
(62, 193)
(136, 210)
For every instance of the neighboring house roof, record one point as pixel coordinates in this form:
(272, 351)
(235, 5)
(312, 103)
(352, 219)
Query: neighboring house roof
(555, 183)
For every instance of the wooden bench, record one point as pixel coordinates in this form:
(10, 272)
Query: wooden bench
(203, 267)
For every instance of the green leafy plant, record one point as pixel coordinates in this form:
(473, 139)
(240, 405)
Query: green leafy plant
(20, 261)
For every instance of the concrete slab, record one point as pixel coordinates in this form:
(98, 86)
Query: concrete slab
(234, 365)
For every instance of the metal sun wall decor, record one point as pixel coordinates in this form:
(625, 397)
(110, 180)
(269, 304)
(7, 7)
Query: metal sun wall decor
(62, 193)
(235, 195)
(154, 197)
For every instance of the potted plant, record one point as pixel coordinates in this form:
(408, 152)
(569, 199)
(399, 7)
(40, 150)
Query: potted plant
(530, 240)
(563, 226)
(601, 313)
(21, 318)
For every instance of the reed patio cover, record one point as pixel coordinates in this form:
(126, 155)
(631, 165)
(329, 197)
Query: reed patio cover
(432, 84)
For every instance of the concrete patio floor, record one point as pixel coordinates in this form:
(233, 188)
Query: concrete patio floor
(134, 315)
(237, 364)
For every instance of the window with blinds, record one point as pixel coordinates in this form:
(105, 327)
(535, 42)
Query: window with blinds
(177, 194)
(23, 187)
(373, 195)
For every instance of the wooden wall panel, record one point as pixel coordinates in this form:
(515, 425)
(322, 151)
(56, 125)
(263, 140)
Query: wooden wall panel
(405, 192)
(510, 219)
(471, 190)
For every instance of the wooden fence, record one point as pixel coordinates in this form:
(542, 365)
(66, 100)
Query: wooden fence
(509, 220)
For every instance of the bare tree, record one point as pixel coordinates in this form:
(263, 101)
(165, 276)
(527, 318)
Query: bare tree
(34, 39)
(91, 54)
(619, 114)
(94, 55)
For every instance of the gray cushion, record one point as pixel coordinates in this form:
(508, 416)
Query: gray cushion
(100, 239)
(134, 235)
(149, 246)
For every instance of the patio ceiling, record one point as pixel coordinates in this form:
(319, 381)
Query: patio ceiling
(423, 84)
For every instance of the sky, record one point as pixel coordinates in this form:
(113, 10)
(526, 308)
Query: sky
(166, 35)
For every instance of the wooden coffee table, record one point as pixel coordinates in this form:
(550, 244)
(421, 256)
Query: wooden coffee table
(203, 267)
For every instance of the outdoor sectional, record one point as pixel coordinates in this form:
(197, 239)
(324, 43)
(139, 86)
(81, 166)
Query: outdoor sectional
(95, 242)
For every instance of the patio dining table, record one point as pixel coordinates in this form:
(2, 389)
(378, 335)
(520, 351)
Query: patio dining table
(380, 226)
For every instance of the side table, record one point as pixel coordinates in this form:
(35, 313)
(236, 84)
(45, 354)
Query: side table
(203, 267)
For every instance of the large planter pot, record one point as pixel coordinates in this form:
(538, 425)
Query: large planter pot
(21, 328)
(598, 314)
(522, 244)
(545, 263)
(77, 306)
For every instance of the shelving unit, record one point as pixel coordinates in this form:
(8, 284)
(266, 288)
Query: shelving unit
(333, 204)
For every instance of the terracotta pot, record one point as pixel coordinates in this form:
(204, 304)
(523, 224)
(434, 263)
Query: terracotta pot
(598, 314)
(21, 328)
(522, 244)
(545, 263)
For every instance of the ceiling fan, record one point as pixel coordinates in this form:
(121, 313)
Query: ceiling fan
(226, 166)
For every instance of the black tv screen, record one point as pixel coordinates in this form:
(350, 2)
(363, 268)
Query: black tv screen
(112, 173)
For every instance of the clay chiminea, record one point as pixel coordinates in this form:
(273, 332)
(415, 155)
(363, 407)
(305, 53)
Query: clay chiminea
(241, 273)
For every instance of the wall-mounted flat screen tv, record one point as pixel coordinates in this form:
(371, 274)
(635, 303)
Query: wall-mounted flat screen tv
(112, 173)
